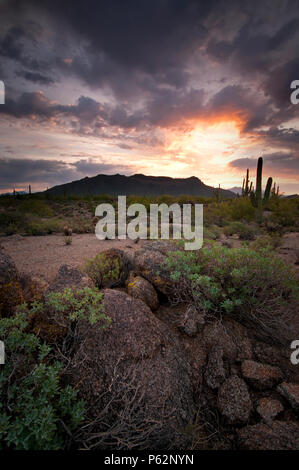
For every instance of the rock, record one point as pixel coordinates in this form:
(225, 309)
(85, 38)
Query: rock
(290, 391)
(280, 436)
(149, 263)
(109, 268)
(268, 409)
(272, 355)
(8, 270)
(231, 336)
(140, 288)
(135, 351)
(192, 321)
(261, 376)
(67, 277)
(215, 334)
(215, 372)
(234, 401)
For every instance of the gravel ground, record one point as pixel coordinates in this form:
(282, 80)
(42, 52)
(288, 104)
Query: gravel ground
(42, 256)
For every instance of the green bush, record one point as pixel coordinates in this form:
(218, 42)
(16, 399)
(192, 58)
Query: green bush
(244, 231)
(37, 411)
(255, 286)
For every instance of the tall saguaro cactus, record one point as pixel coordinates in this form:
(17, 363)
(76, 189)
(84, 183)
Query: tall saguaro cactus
(256, 197)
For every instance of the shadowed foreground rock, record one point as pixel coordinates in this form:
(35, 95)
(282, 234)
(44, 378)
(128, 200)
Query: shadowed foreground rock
(291, 393)
(261, 376)
(281, 436)
(234, 400)
(136, 347)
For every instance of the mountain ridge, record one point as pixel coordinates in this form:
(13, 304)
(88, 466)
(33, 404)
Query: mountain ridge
(138, 184)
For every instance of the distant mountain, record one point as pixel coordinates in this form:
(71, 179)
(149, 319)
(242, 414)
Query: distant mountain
(12, 193)
(138, 185)
(236, 190)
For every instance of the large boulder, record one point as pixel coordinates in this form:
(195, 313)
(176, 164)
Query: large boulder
(280, 436)
(140, 288)
(149, 262)
(136, 354)
(261, 376)
(234, 400)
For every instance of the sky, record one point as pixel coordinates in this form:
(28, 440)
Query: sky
(162, 87)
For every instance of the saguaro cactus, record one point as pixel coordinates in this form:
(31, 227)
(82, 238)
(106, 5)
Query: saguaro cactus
(256, 197)
(245, 187)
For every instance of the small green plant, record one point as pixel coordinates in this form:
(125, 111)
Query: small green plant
(68, 239)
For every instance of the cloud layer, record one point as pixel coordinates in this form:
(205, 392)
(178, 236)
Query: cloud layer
(138, 78)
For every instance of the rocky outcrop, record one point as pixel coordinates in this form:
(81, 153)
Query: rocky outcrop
(261, 376)
(140, 288)
(291, 393)
(281, 436)
(234, 401)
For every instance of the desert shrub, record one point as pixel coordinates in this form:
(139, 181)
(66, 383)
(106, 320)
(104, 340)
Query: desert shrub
(10, 222)
(242, 209)
(43, 227)
(57, 317)
(255, 286)
(36, 207)
(36, 411)
(245, 231)
(265, 242)
(108, 269)
(212, 233)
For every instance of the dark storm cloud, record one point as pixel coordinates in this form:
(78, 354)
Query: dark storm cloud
(252, 50)
(35, 77)
(18, 171)
(284, 138)
(278, 162)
